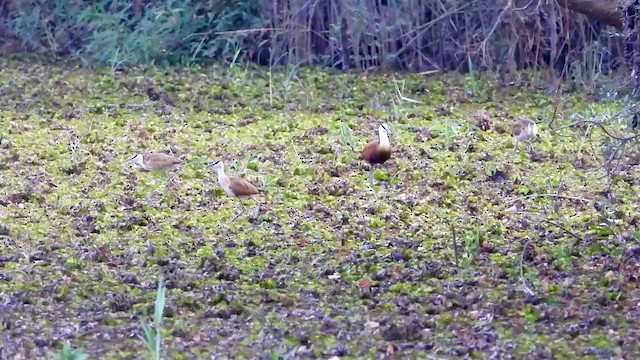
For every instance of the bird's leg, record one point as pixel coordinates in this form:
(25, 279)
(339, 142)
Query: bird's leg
(168, 178)
(515, 147)
(255, 215)
(371, 182)
(243, 208)
(168, 195)
(241, 211)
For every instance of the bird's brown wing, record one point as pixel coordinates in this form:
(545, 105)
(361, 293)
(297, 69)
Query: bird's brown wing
(369, 150)
(381, 155)
(242, 187)
(161, 160)
(164, 158)
(375, 154)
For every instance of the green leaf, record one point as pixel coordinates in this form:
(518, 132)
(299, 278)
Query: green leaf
(601, 230)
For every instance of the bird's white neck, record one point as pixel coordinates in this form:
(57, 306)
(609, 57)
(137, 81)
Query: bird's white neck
(221, 173)
(384, 138)
(140, 162)
(223, 180)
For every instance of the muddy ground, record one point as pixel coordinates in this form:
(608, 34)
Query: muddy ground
(329, 266)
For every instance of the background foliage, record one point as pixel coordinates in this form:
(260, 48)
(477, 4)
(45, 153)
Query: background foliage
(417, 35)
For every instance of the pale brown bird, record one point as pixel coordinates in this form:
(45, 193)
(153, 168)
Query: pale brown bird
(156, 162)
(524, 129)
(377, 151)
(234, 186)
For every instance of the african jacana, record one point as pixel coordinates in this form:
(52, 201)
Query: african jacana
(524, 129)
(377, 151)
(233, 186)
(156, 162)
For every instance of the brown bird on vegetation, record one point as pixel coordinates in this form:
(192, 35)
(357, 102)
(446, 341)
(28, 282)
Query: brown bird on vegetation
(377, 151)
(233, 186)
(155, 161)
(161, 95)
(524, 129)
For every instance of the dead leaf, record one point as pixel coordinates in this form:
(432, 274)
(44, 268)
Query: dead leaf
(392, 349)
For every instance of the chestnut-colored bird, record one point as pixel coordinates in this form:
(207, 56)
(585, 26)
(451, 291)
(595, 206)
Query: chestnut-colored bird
(524, 129)
(233, 186)
(377, 151)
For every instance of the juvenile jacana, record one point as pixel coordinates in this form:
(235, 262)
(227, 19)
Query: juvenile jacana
(156, 162)
(377, 151)
(524, 129)
(233, 186)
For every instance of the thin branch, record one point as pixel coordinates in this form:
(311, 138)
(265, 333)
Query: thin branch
(604, 129)
(562, 228)
(483, 43)
(556, 204)
(420, 30)
(525, 287)
(555, 112)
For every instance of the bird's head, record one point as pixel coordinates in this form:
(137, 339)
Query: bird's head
(216, 165)
(384, 128)
(136, 159)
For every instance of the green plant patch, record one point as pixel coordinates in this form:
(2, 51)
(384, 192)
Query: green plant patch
(428, 260)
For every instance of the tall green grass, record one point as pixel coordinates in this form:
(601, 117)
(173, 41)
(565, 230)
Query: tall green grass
(152, 335)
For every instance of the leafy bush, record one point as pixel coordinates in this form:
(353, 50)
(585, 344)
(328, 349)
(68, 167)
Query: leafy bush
(419, 36)
(120, 32)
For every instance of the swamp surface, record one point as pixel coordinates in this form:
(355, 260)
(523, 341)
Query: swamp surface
(327, 265)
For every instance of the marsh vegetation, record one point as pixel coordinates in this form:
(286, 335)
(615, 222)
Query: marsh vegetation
(463, 244)
(546, 260)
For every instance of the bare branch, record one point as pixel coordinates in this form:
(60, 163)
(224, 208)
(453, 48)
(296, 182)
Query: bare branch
(523, 280)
